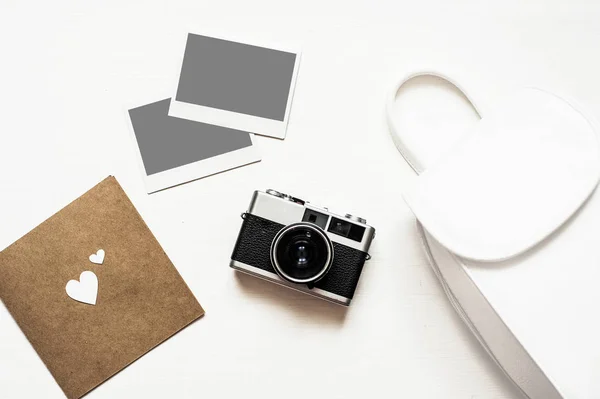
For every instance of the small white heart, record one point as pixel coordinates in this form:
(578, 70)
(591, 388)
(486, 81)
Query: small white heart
(85, 290)
(98, 257)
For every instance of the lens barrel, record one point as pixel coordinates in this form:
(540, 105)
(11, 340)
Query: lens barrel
(301, 253)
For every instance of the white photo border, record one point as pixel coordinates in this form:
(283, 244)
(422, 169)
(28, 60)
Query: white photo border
(236, 120)
(195, 170)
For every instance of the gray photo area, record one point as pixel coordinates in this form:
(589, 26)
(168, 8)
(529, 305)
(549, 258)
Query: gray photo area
(236, 77)
(167, 142)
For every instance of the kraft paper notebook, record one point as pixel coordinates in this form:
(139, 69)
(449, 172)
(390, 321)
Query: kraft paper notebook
(135, 297)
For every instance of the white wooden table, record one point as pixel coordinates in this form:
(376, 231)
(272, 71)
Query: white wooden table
(70, 69)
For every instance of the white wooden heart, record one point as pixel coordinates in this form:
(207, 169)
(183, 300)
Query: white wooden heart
(98, 257)
(85, 290)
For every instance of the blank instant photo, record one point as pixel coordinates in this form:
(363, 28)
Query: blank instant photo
(236, 85)
(173, 151)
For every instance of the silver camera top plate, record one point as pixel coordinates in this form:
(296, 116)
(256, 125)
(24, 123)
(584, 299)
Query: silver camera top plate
(284, 209)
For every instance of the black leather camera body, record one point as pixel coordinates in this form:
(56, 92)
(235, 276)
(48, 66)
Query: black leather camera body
(291, 242)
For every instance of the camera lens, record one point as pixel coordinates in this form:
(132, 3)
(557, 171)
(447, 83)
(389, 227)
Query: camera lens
(301, 253)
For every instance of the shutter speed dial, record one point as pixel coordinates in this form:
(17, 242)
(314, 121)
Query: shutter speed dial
(356, 218)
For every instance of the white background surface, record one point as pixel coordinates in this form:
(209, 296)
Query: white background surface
(68, 72)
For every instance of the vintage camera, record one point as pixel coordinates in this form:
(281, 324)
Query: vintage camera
(291, 242)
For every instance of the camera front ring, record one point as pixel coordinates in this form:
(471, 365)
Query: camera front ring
(301, 253)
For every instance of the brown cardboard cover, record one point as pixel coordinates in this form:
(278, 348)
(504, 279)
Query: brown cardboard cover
(142, 299)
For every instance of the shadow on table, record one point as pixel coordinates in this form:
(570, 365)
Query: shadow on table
(306, 307)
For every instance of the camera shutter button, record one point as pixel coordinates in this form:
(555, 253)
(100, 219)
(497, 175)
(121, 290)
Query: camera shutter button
(275, 193)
